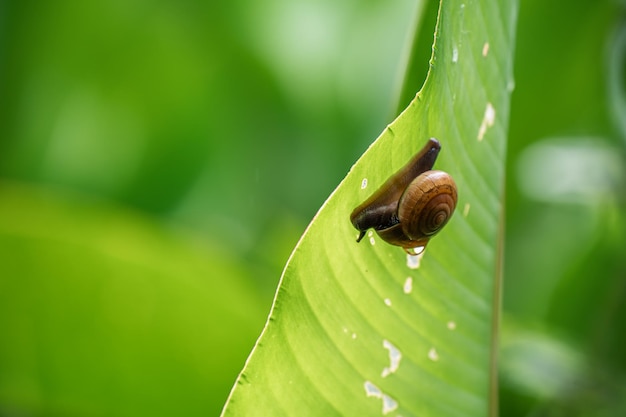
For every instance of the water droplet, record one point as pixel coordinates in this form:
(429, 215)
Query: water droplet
(408, 285)
(433, 355)
(416, 250)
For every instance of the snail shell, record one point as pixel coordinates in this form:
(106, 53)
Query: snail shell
(411, 206)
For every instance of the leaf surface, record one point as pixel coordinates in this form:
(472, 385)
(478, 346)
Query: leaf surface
(358, 329)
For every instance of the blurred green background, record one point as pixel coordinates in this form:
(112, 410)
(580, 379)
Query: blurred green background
(160, 159)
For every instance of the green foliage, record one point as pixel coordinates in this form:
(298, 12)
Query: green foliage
(566, 229)
(233, 121)
(103, 312)
(343, 315)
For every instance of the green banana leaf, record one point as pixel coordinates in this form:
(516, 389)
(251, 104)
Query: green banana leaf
(360, 329)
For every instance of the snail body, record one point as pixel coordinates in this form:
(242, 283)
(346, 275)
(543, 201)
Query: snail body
(411, 206)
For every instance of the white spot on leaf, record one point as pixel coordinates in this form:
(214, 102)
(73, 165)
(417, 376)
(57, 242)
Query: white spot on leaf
(433, 355)
(364, 183)
(372, 390)
(451, 325)
(485, 48)
(394, 359)
(408, 285)
(389, 404)
(413, 261)
(388, 302)
(510, 86)
(466, 209)
(488, 120)
(347, 332)
(455, 54)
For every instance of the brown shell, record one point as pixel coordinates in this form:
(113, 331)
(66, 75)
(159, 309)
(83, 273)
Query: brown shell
(427, 204)
(412, 205)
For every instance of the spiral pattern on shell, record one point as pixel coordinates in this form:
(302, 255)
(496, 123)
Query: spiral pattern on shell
(427, 204)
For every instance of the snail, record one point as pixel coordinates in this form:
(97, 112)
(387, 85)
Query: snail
(411, 206)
